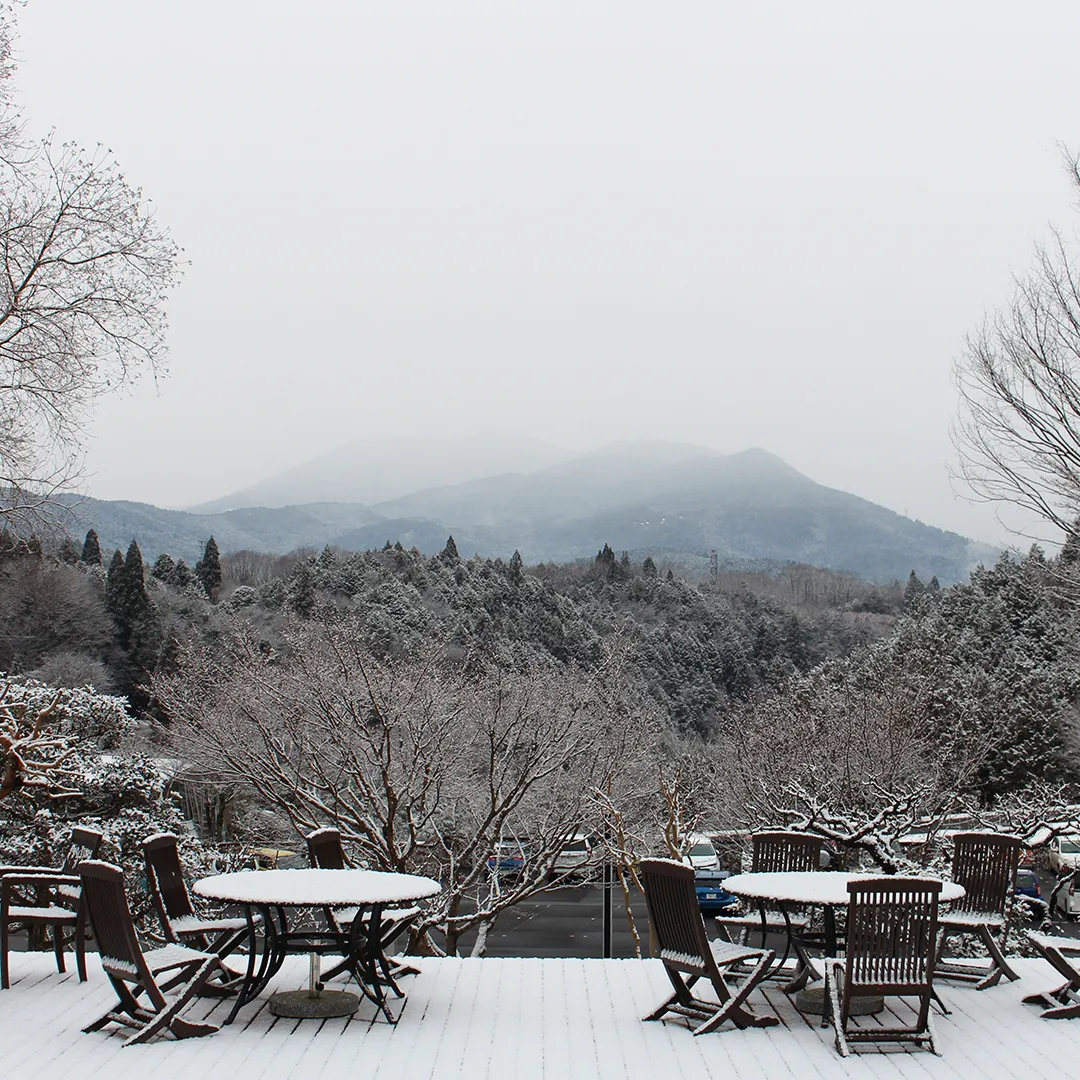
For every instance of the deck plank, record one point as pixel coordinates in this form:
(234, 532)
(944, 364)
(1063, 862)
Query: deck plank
(517, 1019)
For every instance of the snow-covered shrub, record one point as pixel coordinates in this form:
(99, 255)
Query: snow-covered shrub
(124, 793)
(242, 596)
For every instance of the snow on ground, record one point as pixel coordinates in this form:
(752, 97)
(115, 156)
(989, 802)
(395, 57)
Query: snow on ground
(515, 1019)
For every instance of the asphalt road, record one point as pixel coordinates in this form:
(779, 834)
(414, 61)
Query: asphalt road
(565, 922)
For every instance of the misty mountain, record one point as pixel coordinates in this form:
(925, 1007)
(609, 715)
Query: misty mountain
(676, 500)
(375, 470)
(184, 534)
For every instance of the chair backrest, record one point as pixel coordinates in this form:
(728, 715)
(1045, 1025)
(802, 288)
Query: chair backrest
(674, 914)
(114, 930)
(84, 844)
(892, 926)
(784, 852)
(325, 851)
(165, 878)
(985, 864)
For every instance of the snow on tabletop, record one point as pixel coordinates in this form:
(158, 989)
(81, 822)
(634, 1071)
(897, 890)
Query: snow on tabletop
(813, 886)
(316, 888)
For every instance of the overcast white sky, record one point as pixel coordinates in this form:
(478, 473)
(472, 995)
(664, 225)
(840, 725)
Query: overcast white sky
(739, 224)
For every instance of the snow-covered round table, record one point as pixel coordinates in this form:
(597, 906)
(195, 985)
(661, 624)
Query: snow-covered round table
(274, 892)
(826, 889)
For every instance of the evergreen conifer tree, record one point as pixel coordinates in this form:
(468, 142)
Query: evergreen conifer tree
(648, 567)
(164, 567)
(208, 569)
(450, 552)
(91, 549)
(301, 589)
(912, 590)
(114, 581)
(69, 552)
(515, 571)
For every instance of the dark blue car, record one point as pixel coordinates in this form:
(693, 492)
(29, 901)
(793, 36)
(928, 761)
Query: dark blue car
(1027, 884)
(712, 897)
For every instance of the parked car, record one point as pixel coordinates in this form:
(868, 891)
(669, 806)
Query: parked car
(711, 895)
(1027, 884)
(701, 854)
(575, 854)
(508, 857)
(1063, 853)
(1067, 900)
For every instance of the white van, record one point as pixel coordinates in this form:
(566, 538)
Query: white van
(1067, 900)
(701, 854)
(574, 854)
(1063, 853)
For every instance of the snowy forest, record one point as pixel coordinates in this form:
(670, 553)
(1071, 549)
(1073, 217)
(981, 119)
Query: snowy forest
(430, 707)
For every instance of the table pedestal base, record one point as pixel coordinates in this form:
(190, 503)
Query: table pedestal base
(303, 1005)
(812, 1000)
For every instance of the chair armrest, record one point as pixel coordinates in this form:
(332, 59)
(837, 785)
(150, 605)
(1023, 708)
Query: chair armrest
(10, 882)
(5, 870)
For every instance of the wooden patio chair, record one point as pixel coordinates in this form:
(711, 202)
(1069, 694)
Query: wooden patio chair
(1062, 1003)
(134, 973)
(326, 852)
(985, 864)
(181, 924)
(775, 852)
(892, 926)
(779, 852)
(684, 949)
(48, 898)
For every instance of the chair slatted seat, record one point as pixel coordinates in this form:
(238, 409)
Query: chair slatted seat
(985, 864)
(49, 898)
(892, 926)
(180, 923)
(684, 950)
(134, 974)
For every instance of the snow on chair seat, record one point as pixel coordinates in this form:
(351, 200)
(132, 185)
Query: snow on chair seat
(147, 1008)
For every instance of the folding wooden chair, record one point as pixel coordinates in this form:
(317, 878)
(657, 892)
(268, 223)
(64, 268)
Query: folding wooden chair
(134, 973)
(50, 899)
(892, 925)
(326, 852)
(985, 864)
(685, 950)
(180, 923)
(774, 852)
(1062, 1003)
(780, 852)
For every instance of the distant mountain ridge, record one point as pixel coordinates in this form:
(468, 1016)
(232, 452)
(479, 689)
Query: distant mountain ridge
(679, 499)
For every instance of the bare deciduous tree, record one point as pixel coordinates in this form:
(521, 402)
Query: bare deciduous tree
(1017, 431)
(423, 766)
(84, 273)
(32, 751)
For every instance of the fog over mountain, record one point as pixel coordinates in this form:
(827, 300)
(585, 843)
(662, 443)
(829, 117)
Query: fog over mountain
(373, 470)
(672, 500)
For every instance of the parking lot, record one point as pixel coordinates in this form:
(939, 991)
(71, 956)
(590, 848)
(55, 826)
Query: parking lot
(569, 922)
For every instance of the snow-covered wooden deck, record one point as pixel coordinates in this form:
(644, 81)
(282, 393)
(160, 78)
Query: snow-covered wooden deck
(515, 1020)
